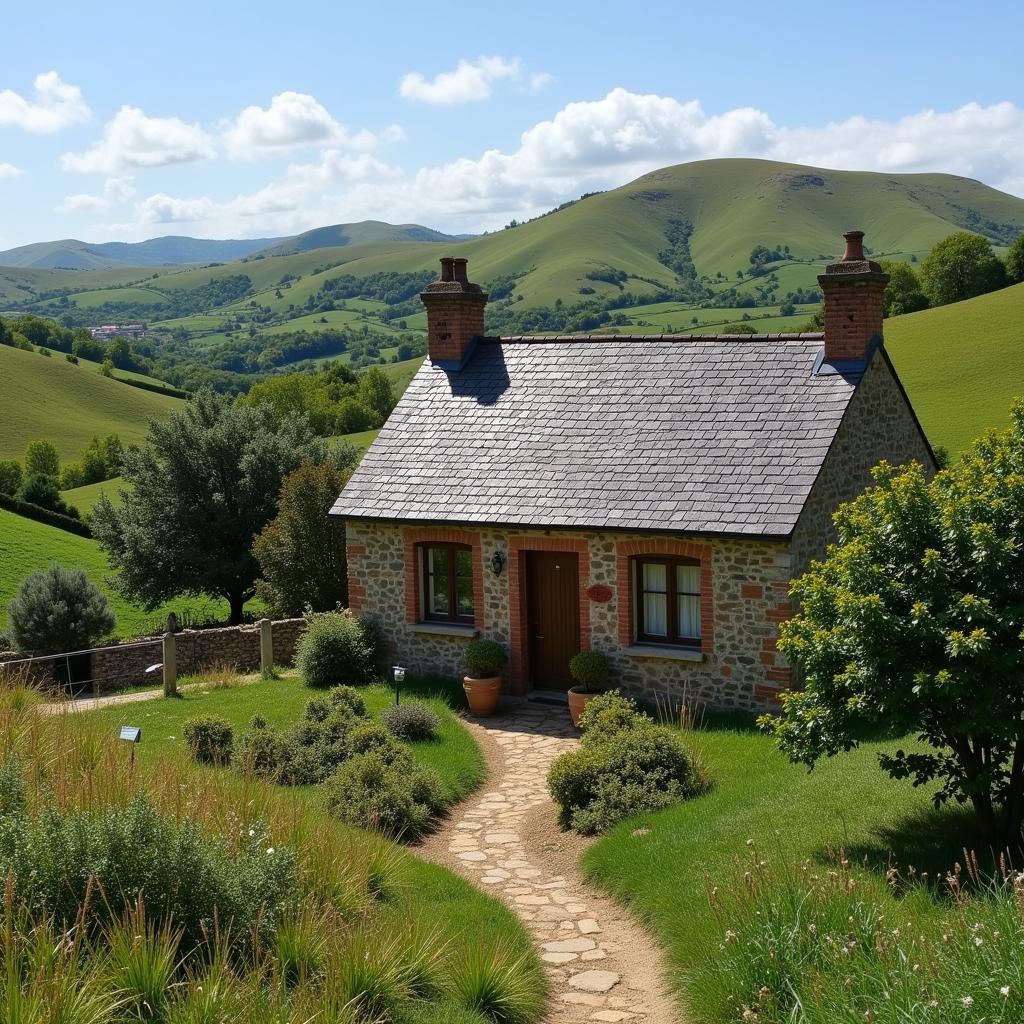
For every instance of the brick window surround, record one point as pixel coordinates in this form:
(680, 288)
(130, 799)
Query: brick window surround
(411, 539)
(628, 550)
(517, 547)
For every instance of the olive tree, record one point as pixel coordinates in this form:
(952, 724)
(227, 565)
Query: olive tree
(913, 624)
(201, 489)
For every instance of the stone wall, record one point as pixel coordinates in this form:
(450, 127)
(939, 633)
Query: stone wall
(740, 669)
(878, 425)
(238, 647)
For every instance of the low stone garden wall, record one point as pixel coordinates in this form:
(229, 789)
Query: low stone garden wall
(122, 665)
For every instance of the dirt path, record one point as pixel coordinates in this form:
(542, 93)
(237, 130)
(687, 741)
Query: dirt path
(602, 966)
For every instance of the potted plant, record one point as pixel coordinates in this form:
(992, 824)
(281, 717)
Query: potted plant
(484, 661)
(591, 670)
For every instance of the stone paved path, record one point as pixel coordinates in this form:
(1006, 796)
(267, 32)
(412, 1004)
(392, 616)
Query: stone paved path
(592, 959)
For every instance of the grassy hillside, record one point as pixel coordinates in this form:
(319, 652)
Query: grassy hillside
(364, 232)
(27, 546)
(962, 364)
(85, 497)
(69, 404)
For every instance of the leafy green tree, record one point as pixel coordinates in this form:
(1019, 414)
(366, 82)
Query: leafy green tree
(960, 267)
(913, 624)
(377, 394)
(200, 491)
(42, 491)
(6, 337)
(1015, 260)
(58, 609)
(903, 293)
(41, 459)
(301, 551)
(10, 476)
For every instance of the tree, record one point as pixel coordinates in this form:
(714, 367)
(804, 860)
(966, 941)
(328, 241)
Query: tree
(41, 459)
(10, 476)
(903, 293)
(913, 624)
(960, 267)
(301, 551)
(58, 609)
(377, 394)
(1015, 260)
(200, 491)
(42, 491)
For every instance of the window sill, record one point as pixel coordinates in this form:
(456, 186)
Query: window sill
(444, 629)
(666, 652)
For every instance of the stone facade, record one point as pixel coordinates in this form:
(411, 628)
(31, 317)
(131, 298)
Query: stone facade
(738, 666)
(878, 424)
(123, 665)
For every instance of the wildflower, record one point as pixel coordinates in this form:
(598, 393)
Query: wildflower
(731, 936)
(915, 968)
(749, 1015)
(252, 832)
(933, 1004)
(812, 928)
(978, 940)
(996, 934)
(1004, 991)
(764, 993)
(967, 1001)
(270, 851)
(750, 842)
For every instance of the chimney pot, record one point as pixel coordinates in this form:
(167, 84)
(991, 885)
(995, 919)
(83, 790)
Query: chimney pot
(447, 274)
(854, 246)
(459, 269)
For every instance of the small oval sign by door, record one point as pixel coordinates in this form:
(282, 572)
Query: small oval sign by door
(599, 593)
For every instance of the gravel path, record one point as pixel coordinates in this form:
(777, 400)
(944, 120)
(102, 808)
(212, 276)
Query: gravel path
(602, 966)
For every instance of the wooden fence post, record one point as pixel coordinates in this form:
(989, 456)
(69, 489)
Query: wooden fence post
(266, 648)
(170, 667)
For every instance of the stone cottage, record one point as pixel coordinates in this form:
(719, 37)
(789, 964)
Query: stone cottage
(649, 496)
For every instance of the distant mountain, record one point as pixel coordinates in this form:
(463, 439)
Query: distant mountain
(170, 250)
(365, 232)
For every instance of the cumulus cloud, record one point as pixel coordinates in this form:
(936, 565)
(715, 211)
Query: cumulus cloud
(132, 140)
(54, 105)
(164, 209)
(115, 192)
(10, 171)
(468, 82)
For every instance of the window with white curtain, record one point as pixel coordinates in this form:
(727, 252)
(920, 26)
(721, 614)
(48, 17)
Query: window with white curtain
(668, 605)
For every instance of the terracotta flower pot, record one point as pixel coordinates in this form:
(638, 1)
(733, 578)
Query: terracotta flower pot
(482, 695)
(578, 700)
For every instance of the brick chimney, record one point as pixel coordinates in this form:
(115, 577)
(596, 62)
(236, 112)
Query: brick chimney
(853, 290)
(455, 312)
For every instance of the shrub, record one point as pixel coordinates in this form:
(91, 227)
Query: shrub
(58, 609)
(187, 877)
(386, 791)
(210, 738)
(43, 491)
(590, 669)
(349, 697)
(625, 765)
(335, 648)
(10, 476)
(609, 713)
(374, 738)
(484, 658)
(413, 720)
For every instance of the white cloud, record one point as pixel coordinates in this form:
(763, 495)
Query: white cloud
(164, 209)
(115, 192)
(54, 105)
(131, 140)
(540, 80)
(470, 81)
(10, 171)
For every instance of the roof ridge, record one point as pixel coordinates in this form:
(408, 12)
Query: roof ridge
(537, 338)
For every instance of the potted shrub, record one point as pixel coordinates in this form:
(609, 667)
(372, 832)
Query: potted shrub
(484, 661)
(591, 670)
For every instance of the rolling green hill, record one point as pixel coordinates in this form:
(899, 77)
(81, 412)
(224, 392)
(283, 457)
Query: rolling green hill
(51, 398)
(27, 546)
(366, 232)
(962, 364)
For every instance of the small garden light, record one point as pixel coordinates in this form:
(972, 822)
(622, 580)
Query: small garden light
(399, 673)
(497, 563)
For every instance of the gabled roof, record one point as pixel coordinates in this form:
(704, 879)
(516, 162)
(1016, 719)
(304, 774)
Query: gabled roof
(702, 434)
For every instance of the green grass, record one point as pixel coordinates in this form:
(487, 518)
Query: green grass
(961, 364)
(454, 755)
(69, 405)
(85, 497)
(362, 440)
(661, 865)
(27, 546)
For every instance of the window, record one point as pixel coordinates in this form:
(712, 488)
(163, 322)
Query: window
(447, 574)
(668, 605)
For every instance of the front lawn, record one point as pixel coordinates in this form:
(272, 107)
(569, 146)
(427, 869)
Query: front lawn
(663, 864)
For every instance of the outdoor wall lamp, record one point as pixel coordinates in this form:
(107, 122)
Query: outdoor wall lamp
(399, 674)
(497, 563)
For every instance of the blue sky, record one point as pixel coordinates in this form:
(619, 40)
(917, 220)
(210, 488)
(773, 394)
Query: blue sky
(130, 121)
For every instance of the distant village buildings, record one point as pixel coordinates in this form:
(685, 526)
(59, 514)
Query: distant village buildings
(106, 331)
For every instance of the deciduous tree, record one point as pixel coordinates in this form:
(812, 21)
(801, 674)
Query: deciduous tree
(960, 267)
(903, 293)
(41, 459)
(201, 490)
(1015, 260)
(913, 624)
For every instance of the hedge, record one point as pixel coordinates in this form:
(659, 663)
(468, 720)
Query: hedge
(44, 515)
(145, 385)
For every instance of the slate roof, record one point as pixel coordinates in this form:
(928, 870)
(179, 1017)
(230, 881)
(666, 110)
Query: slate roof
(701, 434)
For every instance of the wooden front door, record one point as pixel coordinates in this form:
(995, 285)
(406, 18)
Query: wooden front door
(552, 617)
